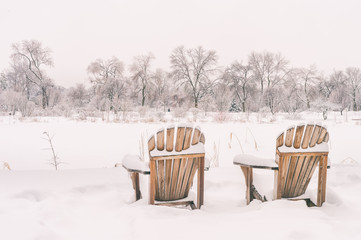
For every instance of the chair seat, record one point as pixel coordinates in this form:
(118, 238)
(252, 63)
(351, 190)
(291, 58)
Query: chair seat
(133, 163)
(255, 162)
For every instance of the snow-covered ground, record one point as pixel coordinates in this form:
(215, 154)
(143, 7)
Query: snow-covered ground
(88, 198)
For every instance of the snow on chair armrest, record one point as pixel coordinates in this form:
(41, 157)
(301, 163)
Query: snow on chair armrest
(255, 162)
(133, 163)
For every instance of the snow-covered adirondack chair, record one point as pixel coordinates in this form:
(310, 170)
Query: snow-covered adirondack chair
(175, 155)
(299, 150)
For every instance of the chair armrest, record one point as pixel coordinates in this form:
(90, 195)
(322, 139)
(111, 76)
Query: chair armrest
(255, 162)
(133, 163)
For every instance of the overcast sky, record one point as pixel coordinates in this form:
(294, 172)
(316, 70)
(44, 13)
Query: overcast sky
(325, 33)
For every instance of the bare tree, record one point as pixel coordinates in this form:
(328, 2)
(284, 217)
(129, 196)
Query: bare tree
(353, 78)
(141, 73)
(32, 58)
(241, 78)
(109, 82)
(307, 79)
(196, 68)
(273, 98)
(269, 69)
(161, 88)
(222, 96)
(78, 95)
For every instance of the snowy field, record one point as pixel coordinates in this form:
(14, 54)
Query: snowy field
(88, 198)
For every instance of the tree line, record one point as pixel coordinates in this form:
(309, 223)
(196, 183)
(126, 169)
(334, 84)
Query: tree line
(265, 81)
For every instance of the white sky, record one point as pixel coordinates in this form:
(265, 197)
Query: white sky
(326, 33)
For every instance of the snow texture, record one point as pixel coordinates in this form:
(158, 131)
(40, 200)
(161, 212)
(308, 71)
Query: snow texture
(87, 198)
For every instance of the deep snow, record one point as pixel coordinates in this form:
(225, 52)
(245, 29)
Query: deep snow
(88, 198)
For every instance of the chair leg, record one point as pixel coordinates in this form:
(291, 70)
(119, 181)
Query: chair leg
(200, 183)
(322, 177)
(135, 180)
(152, 182)
(248, 174)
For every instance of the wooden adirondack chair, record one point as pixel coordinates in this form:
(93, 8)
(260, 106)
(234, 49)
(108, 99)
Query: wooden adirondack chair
(299, 150)
(175, 155)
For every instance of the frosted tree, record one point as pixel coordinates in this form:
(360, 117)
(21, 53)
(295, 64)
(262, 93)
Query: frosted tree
(241, 79)
(78, 95)
(142, 74)
(196, 68)
(269, 69)
(108, 80)
(160, 88)
(273, 98)
(32, 58)
(353, 79)
(222, 96)
(307, 79)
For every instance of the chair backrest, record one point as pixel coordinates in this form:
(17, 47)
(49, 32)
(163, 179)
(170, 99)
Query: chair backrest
(176, 153)
(298, 152)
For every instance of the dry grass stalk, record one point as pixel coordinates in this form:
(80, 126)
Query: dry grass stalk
(6, 165)
(239, 142)
(54, 161)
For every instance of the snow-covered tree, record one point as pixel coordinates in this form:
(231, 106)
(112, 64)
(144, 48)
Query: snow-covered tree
(142, 74)
(197, 69)
(31, 57)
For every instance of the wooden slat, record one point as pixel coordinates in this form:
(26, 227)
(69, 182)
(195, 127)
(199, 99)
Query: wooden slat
(196, 136)
(168, 178)
(172, 204)
(186, 177)
(283, 174)
(296, 176)
(322, 135)
(187, 138)
(161, 183)
(315, 135)
(160, 140)
(280, 140)
(202, 139)
(290, 175)
(156, 180)
(176, 164)
(170, 139)
(289, 137)
(307, 166)
(326, 137)
(307, 136)
(302, 153)
(178, 155)
(298, 136)
(151, 144)
(308, 175)
(193, 172)
(179, 139)
(182, 168)
(306, 162)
